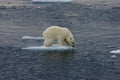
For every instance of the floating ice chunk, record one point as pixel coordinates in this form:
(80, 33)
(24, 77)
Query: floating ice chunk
(33, 38)
(51, 0)
(113, 56)
(115, 51)
(52, 48)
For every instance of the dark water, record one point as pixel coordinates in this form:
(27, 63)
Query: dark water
(17, 64)
(96, 32)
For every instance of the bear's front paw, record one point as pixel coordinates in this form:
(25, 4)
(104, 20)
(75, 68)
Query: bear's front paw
(47, 45)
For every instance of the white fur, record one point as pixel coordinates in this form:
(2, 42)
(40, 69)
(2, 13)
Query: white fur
(62, 35)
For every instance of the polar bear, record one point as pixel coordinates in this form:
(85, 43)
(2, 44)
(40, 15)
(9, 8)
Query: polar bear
(62, 35)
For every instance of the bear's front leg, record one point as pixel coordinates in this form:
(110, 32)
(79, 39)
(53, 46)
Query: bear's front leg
(47, 43)
(62, 42)
(65, 43)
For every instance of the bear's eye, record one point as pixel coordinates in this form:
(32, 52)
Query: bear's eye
(70, 38)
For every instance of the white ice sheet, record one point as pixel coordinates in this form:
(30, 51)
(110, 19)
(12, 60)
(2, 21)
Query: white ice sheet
(32, 38)
(52, 48)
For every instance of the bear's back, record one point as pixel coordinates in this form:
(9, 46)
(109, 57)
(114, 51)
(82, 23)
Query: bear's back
(53, 31)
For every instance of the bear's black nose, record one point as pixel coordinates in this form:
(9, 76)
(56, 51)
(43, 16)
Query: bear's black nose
(73, 44)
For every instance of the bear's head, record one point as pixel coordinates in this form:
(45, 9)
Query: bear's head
(69, 38)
